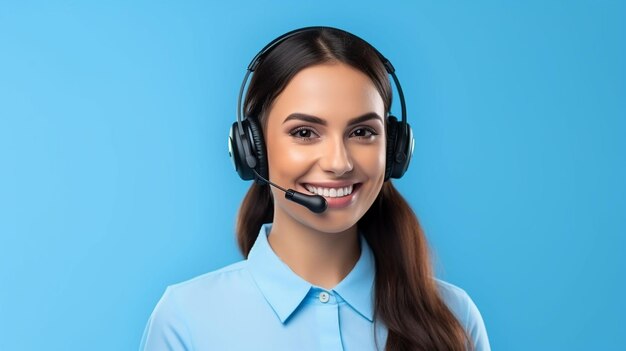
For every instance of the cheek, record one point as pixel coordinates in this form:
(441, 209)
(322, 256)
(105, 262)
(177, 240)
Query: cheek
(296, 155)
(371, 161)
(286, 159)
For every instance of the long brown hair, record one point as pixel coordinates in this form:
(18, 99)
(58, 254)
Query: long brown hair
(406, 297)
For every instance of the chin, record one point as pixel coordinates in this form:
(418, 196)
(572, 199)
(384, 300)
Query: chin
(329, 222)
(334, 229)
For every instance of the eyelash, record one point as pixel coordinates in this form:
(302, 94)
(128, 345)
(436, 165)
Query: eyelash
(308, 139)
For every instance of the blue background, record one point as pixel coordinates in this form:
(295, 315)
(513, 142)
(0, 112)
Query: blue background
(115, 179)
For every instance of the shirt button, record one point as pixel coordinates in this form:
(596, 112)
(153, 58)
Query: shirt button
(324, 297)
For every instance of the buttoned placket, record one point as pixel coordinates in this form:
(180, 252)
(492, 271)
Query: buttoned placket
(327, 311)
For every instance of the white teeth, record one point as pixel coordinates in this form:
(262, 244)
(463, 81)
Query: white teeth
(329, 192)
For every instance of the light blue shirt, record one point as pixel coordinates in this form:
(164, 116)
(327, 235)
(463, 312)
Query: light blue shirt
(261, 304)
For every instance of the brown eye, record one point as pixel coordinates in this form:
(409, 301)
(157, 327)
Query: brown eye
(303, 133)
(364, 133)
(360, 132)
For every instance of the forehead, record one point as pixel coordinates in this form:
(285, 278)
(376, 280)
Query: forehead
(335, 92)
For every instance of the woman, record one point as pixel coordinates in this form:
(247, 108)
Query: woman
(340, 262)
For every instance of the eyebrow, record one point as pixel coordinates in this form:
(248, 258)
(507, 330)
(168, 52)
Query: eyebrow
(317, 120)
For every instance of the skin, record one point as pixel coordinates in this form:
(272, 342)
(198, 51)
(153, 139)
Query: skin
(323, 248)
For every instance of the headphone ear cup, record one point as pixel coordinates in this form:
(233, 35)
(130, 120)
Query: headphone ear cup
(237, 151)
(408, 143)
(403, 151)
(392, 129)
(258, 147)
(399, 148)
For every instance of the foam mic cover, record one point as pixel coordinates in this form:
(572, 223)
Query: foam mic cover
(314, 203)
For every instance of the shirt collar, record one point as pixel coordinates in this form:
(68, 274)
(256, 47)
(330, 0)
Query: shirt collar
(284, 290)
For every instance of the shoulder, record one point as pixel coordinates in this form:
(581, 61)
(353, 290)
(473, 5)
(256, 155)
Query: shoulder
(227, 274)
(466, 311)
(215, 289)
(455, 298)
(168, 327)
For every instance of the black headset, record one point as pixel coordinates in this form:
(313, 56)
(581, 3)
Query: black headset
(246, 146)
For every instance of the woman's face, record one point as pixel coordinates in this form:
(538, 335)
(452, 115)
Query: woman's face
(325, 135)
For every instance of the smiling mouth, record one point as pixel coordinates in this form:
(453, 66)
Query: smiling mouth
(332, 192)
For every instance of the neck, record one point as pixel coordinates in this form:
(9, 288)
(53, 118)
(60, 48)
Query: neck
(323, 259)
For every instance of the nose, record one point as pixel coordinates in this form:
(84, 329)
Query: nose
(336, 157)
